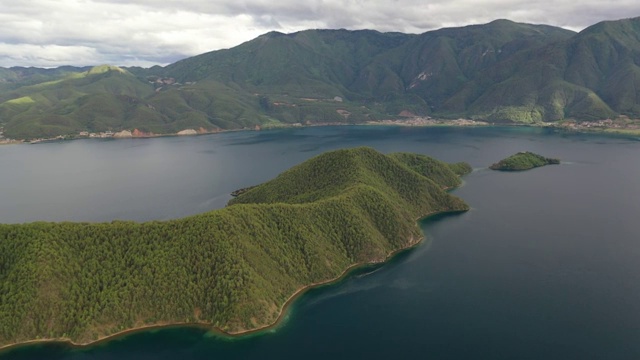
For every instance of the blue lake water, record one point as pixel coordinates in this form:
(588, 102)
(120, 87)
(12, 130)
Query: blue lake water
(546, 265)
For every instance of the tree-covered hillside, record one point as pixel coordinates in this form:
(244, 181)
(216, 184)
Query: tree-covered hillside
(500, 72)
(232, 268)
(589, 76)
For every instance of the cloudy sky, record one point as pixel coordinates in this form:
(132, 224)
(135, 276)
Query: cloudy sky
(49, 33)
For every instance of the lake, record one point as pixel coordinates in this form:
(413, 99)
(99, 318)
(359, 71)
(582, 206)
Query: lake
(546, 265)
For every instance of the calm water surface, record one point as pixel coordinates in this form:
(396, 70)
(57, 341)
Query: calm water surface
(546, 265)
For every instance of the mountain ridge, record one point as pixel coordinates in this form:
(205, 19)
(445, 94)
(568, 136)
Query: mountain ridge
(502, 71)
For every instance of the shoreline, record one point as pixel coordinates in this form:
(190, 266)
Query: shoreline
(615, 131)
(209, 327)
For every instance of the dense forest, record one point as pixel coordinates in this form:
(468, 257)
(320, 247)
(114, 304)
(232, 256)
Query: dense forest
(232, 268)
(524, 160)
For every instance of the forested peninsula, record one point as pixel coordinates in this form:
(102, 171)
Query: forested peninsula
(232, 269)
(523, 160)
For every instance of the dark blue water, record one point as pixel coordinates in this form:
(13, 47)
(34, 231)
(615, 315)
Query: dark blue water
(545, 266)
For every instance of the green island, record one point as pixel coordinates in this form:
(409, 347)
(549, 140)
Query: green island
(523, 160)
(234, 269)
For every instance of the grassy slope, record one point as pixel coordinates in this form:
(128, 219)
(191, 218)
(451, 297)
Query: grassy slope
(233, 268)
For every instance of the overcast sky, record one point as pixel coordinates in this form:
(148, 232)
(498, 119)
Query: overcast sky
(48, 33)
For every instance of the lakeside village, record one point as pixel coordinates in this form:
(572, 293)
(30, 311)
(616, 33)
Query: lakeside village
(407, 121)
(622, 125)
(6, 141)
(103, 135)
(82, 134)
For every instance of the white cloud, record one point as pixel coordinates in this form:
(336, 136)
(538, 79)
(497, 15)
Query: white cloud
(44, 55)
(144, 32)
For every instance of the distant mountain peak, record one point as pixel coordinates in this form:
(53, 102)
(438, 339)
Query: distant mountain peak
(272, 34)
(101, 69)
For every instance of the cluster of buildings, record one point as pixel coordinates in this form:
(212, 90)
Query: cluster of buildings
(106, 134)
(4, 140)
(427, 121)
(161, 82)
(621, 123)
(82, 134)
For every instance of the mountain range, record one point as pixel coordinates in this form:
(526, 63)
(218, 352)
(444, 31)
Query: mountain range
(498, 72)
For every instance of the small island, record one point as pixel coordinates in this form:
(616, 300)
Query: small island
(234, 269)
(523, 160)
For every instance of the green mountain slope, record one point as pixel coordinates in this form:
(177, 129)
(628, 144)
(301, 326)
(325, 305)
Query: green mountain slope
(501, 72)
(232, 268)
(306, 64)
(590, 76)
(402, 72)
(106, 98)
(436, 64)
(94, 100)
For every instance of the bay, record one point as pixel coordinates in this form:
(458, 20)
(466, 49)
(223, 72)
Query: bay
(546, 265)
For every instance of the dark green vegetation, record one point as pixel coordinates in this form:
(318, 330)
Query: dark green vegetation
(232, 268)
(523, 161)
(500, 72)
